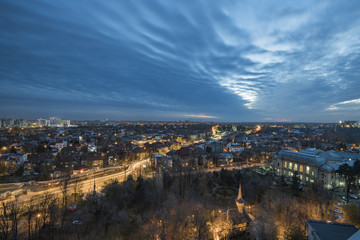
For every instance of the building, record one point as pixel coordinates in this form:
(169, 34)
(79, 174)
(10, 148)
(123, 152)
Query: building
(92, 160)
(314, 165)
(59, 144)
(53, 122)
(92, 148)
(321, 230)
(13, 161)
(348, 124)
(234, 147)
(43, 122)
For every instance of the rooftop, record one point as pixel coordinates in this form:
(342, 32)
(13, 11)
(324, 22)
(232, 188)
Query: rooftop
(331, 231)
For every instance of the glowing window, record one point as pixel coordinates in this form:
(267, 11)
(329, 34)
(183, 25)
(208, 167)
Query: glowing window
(285, 164)
(278, 170)
(312, 173)
(307, 170)
(290, 174)
(307, 178)
(301, 168)
(290, 165)
(301, 177)
(295, 167)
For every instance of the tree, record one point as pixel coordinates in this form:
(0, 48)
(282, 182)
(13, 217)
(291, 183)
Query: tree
(77, 186)
(198, 222)
(9, 219)
(295, 184)
(352, 214)
(348, 173)
(220, 227)
(12, 149)
(65, 198)
(295, 233)
(30, 213)
(357, 167)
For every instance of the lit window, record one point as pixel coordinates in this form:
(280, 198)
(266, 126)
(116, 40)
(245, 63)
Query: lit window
(307, 170)
(312, 173)
(311, 180)
(290, 165)
(295, 167)
(285, 164)
(290, 174)
(301, 168)
(307, 178)
(301, 177)
(278, 170)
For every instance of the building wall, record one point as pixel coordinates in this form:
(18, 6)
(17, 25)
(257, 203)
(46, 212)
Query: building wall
(307, 173)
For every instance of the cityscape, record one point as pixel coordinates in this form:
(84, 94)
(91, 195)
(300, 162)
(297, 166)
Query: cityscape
(181, 120)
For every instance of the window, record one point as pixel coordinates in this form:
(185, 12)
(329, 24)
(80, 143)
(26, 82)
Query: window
(290, 165)
(307, 169)
(278, 164)
(307, 179)
(301, 177)
(295, 167)
(301, 168)
(278, 170)
(290, 174)
(312, 173)
(285, 164)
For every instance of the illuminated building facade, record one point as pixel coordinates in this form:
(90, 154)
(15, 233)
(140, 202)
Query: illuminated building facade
(314, 165)
(53, 122)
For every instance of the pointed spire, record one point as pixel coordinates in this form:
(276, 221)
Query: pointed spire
(240, 203)
(239, 193)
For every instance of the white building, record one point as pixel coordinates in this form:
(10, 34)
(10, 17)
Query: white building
(313, 165)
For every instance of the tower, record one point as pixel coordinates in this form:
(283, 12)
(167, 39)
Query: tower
(240, 203)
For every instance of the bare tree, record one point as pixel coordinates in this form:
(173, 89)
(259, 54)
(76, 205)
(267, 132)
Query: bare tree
(53, 214)
(9, 220)
(220, 226)
(64, 190)
(77, 186)
(30, 214)
(198, 221)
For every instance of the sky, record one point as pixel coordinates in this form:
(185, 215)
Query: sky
(180, 60)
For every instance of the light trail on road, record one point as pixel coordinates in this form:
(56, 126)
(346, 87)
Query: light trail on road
(84, 185)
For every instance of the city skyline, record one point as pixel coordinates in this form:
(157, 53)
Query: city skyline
(208, 61)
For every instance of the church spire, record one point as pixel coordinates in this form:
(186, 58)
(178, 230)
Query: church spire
(239, 193)
(240, 203)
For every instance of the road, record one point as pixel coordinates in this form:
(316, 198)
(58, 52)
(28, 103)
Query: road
(87, 185)
(83, 185)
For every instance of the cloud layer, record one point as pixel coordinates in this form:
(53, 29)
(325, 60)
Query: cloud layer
(153, 60)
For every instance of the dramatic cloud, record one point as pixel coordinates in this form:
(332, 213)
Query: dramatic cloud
(199, 116)
(346, 105)
(154, 60)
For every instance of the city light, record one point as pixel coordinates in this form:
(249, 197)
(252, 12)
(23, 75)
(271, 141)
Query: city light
(169, 120)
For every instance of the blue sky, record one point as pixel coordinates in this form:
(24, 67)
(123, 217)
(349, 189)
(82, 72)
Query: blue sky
(176, 60)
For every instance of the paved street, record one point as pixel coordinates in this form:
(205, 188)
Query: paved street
(84, 185)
